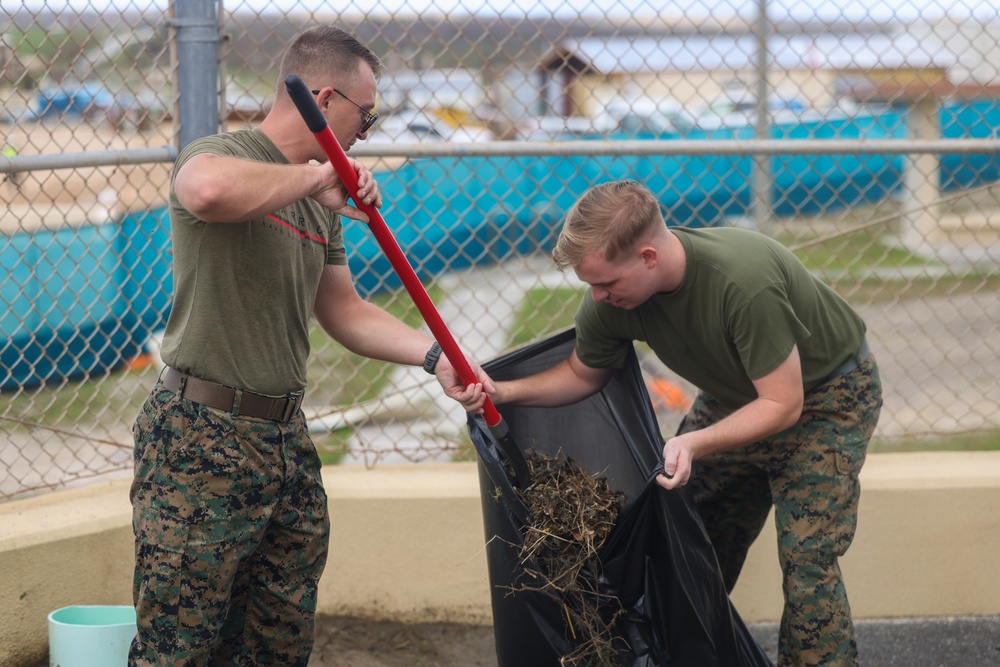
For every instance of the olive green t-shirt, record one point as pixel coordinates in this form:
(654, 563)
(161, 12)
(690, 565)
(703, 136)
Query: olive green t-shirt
(244, 292)
(744, 302)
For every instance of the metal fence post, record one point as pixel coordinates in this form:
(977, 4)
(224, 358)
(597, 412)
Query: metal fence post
(197, 37)
(762, 178)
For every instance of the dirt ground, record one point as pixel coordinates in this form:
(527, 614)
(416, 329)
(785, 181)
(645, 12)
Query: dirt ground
(915, 642)
(354, 642)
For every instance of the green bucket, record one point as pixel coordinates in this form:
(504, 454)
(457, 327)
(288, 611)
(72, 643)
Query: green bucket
(90, 636)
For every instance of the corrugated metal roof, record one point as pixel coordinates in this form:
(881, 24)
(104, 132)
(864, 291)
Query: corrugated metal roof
(727, 52)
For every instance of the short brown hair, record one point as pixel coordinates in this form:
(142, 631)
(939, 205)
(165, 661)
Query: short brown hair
(610, 218)
(325, 56)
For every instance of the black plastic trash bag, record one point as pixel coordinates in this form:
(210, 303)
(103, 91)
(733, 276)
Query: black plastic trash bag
(657, 559)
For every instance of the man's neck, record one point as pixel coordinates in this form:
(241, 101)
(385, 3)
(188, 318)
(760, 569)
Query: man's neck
(673, 264)
(287, 136)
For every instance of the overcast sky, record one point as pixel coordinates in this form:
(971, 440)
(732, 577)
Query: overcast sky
(799, 9)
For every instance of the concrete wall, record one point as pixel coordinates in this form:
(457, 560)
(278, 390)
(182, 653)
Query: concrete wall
(408, 544)
(928, 542)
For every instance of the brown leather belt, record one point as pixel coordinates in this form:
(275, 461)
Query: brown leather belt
(237, 402)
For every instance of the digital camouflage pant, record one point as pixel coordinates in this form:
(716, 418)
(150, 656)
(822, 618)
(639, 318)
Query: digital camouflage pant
(231, 536)
(809, 473)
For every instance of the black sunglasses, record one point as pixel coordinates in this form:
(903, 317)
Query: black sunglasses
(370, 117)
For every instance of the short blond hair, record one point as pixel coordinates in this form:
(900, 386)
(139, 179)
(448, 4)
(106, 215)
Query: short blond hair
(325, 55)
(610, 219)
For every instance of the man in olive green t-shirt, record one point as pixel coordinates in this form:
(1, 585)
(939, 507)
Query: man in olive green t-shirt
(789, 392)
(228, 506)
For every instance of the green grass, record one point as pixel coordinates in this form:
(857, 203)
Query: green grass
(54, 45)
(544, 311)
(103, 401)
(333, 446)
(875, 289)
(860, 253)
(868, 264)
(849, 240)
(348, 378)
(965, 442)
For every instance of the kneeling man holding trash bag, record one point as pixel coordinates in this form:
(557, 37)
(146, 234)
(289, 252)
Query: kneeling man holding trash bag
(789, 391)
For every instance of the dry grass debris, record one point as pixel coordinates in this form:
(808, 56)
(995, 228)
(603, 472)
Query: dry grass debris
(571, 514)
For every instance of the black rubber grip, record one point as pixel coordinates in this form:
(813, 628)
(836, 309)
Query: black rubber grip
(305, 102)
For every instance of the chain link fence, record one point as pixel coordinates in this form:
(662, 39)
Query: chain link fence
(865, 140)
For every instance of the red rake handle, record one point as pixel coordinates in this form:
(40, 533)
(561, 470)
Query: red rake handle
(317, 124)
(324, 135)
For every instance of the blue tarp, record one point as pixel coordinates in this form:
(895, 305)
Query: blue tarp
(80, 100)
(84, 300)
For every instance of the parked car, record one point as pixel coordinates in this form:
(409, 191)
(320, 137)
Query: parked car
(416, 126)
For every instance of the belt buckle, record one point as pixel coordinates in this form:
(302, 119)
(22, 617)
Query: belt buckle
(292, 402)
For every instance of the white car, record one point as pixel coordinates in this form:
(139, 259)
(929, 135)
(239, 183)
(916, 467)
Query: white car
(415, 126)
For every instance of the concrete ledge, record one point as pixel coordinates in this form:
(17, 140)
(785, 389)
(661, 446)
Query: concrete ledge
(926, 545)
(408, 545)
(59, 549)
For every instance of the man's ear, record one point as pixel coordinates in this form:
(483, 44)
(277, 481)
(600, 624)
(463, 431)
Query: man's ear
(323, 99)
(648, 255)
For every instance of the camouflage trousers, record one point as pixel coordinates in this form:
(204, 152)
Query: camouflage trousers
(809, 473)
(231, 535)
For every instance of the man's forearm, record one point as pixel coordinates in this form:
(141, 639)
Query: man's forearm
(565, 383)
(753, 422)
